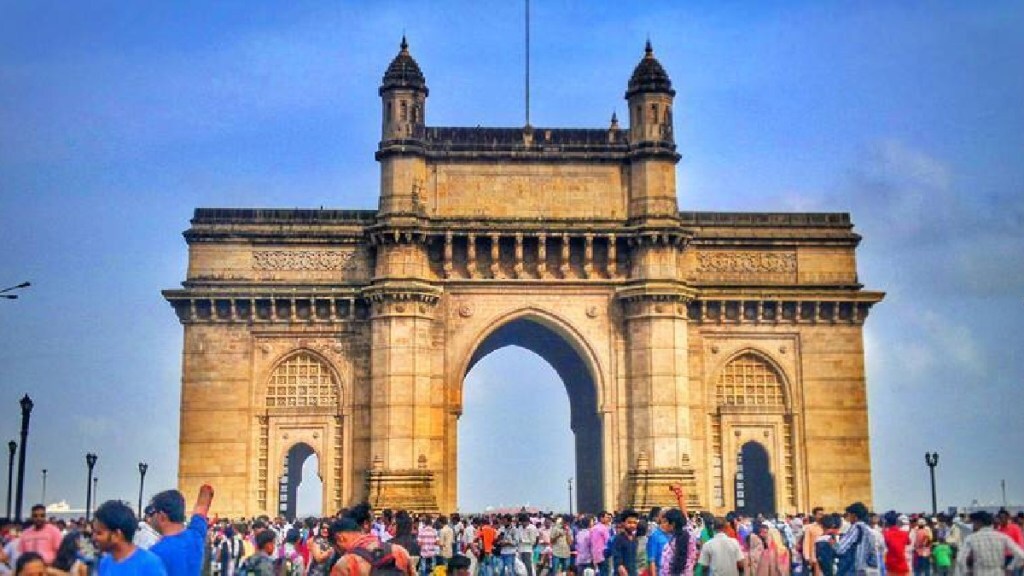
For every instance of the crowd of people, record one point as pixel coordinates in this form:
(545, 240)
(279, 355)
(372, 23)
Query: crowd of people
(659, 542)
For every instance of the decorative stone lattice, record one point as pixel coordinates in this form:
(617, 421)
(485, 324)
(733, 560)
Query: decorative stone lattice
(302, 381)
(749, 381)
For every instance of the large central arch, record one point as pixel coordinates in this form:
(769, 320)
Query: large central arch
(551, 341)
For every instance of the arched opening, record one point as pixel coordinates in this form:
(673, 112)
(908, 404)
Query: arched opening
(582, 417)
(755, 483)
(309, 497)
(291, 477)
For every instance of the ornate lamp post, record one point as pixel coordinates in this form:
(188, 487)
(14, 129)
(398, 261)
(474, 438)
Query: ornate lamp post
(932, 460)
(43, 499)
(96, 490)
(570, 496)
(90, 461)
(12, 447)
(143, 467)
(26, 414)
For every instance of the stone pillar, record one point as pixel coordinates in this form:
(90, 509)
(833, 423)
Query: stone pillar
(403, 408)
(658, 393)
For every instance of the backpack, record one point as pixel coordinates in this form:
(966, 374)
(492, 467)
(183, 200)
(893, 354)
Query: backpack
(381, 559)
(288, 565)
(251, 565)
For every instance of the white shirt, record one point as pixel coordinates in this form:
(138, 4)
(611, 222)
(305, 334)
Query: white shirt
(720, 555)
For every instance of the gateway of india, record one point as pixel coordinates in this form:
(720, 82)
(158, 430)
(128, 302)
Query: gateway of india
(720, 351)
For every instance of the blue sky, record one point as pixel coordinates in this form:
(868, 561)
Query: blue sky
(118, 118)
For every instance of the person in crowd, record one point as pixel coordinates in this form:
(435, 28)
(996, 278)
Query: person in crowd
(426, 537)
(113, 527)
(404, 536)
(363, 552)
(67, 562)
(459, 565)
(40, 537)
(446, 539)
(812, 532)
(600, 534)
(261, 563)
(561, 540)
(181, 546)
(624, 548)
(856, 548)
(320, 549)
(766, 555)
(527, 536)
(987, 552)
(584, 549)
(675, 557)
(722, 555)
(921, 539)
(30, 564)
(942, 555)
(896, 543)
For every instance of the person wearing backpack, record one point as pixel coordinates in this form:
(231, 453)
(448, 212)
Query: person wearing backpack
(363, 554)
(260, 563)
(289, 562)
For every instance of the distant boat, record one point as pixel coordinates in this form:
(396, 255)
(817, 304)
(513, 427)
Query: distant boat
(62, 508)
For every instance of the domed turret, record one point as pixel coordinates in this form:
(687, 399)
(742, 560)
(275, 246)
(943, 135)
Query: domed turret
(403, 72)
(650, 95)
(403, 92)
(649, 76)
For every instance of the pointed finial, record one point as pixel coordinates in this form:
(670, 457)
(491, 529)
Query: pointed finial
(648, 50)
(404, 45)
(615, 121)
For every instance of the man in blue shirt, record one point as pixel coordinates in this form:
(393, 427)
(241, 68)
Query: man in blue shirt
(113, 527)
(180, 546)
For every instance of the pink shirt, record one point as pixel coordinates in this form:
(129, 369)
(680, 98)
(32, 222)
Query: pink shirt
(599, 536)
(43, 541)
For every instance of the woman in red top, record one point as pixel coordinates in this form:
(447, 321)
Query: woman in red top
(896, 542)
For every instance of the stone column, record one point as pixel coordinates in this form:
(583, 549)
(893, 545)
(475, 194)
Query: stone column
(403, 409)
(658, 394)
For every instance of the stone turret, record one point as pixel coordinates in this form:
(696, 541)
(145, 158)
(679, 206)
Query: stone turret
(403, 92)
(652, 146)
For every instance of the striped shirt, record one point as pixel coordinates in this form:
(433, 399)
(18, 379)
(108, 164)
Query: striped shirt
(427, 539)
(987, 550)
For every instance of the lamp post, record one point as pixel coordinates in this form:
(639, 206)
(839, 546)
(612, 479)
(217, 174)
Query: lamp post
(570, 496)
(90, 461)
(932, 460)
(96, 490)
(142, 481)
(43, 499)
(4, 292)
(12, 446)
(26, 414)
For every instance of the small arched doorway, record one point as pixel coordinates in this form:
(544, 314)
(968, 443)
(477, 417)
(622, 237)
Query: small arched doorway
(537, 336)
(292, 478)
(755, 483)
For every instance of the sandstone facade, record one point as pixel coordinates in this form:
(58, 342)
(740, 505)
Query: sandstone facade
(682, 337)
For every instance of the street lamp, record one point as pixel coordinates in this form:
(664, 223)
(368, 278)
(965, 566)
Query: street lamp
(570, 496)
(932, 460)
(12, 446)
(3, 293)
(90, 461)
(142, 481)
(26, 414)
(96, 490)
(43, 500)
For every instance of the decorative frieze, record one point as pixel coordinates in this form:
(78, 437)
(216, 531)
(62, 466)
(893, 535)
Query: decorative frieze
(746, 261)
(280, 260)
(267, 307)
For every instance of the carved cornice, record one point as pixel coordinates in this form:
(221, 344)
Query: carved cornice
(402, 298)
(262, 305)
(656, 291)
(852, 309)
